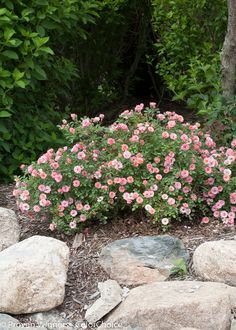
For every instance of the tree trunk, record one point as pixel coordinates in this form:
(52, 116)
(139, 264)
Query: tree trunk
(228, 54)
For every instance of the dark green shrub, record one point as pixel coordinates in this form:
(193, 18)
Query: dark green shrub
(188, 39)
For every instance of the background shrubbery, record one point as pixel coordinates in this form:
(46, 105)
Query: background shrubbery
(91, 56)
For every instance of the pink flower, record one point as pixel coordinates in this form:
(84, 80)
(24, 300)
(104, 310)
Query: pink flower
(87, 207)
(79, 206)
(58, 178)
(165, 135)
(76, 183)
(130, 179)
(52, 226)
(164, 196)
(124, 147)
(173, 136)
(171, 124)
(37, 208)
(177, 185)
(205, 220)
(112, 194)
(86, 123)
(139, 200)
(185, 147)
(159, 177)
(127, 154)
(73, 213)
(152, 105)
(184, 173)
(171, 201)
(73, 224)
(139, 107)
(111, 141)
(232, 197)
(83, 217)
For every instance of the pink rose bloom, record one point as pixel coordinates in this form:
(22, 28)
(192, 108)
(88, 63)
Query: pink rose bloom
(139, 107)
(79, 206)
(58, 178)
(152, 105)
(124, 147)
(165, 135)
(83, 217)
(130, 179)
(139, 200)
(171, 201)
(185, 147)
(37, 208)
(111, 141)
(184, 173)
(164, 196)
(72, 130)
(177, 185)
(173, 136)
(52, 226)
(112, 194)
(205, 220)
(171, 124)
(72, 224)
(98, 185)
(76, 183)
(87, 207)
(186, 190)
(232, 197)
(73, 213)
(86, 123)
(159, 177)
(127, 154)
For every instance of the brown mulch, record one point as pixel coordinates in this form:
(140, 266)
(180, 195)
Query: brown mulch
(84, 270)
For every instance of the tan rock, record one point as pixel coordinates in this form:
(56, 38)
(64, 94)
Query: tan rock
(216, 261)
(9, 228)
(33, 275)
(111, 296)
(175, 305)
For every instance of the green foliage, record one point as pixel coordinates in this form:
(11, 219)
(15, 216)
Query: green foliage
(30, 67)
(179, 268)
(189, 36)
(222, 121)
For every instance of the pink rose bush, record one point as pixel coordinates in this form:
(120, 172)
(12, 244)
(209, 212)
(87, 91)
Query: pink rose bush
(143, 161)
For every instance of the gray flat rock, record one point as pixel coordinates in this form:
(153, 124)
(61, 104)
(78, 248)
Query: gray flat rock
(143, 259)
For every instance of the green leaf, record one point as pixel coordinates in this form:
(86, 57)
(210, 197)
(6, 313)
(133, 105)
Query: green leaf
(40, 41)
(5, 114)
(21, 83)
(4, 73)
(3, 11)
(10, 54)
(39, 73)
(8, 33)
(17, 75)
(47, 50)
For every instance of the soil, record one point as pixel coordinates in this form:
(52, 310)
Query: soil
(84, 270)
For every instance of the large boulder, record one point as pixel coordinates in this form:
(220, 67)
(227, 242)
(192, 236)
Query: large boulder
(33, 275)
(9, 228)
(175, 305)
(111, 296)
(143, 259)
(216, 261)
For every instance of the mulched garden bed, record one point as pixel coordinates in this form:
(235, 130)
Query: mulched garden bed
(84, 270)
